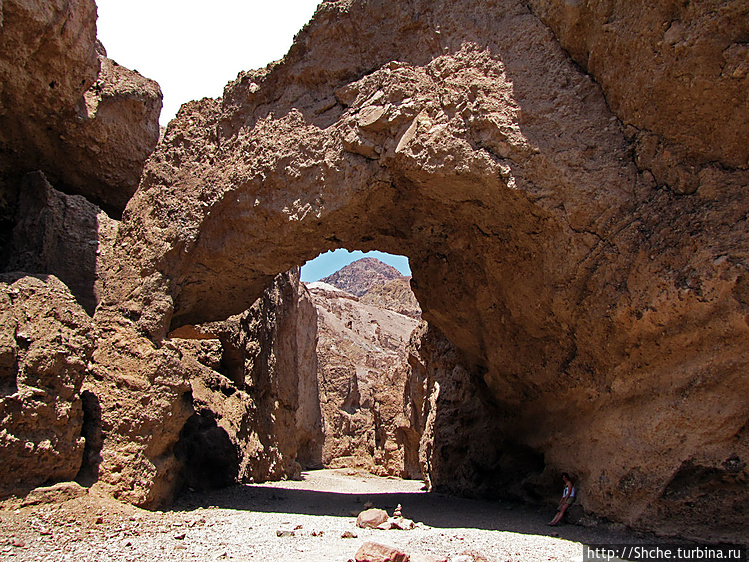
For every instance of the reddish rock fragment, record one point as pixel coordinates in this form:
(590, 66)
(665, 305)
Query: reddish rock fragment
(374, 552)
(371, 518)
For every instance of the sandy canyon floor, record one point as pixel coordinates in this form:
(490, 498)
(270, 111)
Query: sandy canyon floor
(292, 521)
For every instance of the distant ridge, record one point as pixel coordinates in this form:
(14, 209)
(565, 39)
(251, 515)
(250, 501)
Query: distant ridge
(395, 295)
(359, 276)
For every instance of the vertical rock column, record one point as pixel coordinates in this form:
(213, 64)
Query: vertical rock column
(257, 411)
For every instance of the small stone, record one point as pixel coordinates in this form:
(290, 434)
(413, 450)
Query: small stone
(420, 557)
(180, 536)
(99, 520)
(298, 527)
(371, 518)
(398, 511)
(401, 523)
(19, 543)
(348, 535)
(284, 533)
(374, 552)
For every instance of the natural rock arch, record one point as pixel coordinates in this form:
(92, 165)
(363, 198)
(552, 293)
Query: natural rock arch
(465, 138)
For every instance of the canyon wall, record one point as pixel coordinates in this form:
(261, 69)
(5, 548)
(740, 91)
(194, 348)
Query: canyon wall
(568, 180)
(257, 412)
(46, 343)
(588, 271)
(362, 375)
(67, 110)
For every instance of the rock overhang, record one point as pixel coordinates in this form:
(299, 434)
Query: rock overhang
(540, 242)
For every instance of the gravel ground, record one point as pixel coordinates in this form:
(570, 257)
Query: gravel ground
(244, 523)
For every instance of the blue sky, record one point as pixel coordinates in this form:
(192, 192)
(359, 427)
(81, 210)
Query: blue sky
(330, 262)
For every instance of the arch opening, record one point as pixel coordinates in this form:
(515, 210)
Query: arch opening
(548, 264)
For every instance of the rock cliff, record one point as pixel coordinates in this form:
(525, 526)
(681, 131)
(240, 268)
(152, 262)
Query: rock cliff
(257, 412)
(395, 295)
(568, 180)
(362, 373)
(46, 343)
(67, 110)
(558, 240)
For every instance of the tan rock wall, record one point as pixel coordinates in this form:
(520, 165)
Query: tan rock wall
(46, 342)
(362, 373)
(62, 235)
(256, 400)
(86, 122)
(576, 227)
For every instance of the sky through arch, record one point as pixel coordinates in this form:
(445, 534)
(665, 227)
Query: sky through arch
(330, 262)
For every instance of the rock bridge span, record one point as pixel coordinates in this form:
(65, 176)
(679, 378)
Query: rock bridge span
(588, 265)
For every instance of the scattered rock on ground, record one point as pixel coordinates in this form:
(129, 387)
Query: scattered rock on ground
(371, 518)
(374, 552)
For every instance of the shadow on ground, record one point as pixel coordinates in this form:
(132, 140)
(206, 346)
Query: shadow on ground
(432, 509)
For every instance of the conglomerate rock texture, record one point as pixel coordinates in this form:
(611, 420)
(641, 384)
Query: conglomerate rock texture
(581, 243)
(46, 342)
(568, 180)
(74, 122)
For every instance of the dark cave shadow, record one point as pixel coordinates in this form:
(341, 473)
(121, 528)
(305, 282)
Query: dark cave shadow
(55, 234)
(436, 510)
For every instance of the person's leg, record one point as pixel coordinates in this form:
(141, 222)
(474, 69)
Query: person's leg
(559, 515)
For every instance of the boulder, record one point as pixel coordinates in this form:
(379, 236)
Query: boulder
(371, 518)
(374, 552)
(57, 494)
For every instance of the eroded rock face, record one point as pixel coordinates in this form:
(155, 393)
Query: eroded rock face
(62, 235)
(676, 72)
(46, 342)
(570, 257)
(137, 400)
(112, 140)
(67, 110)
(464, 447)
(362, 373)
(395, 295)
(256, 401)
